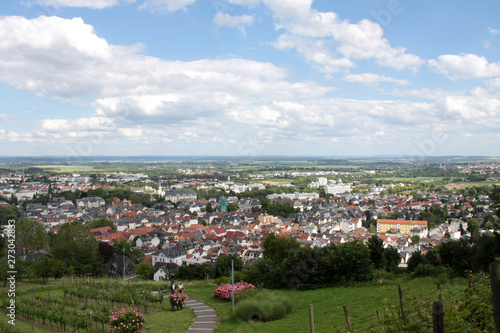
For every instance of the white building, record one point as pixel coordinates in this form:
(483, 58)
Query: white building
(338, 188)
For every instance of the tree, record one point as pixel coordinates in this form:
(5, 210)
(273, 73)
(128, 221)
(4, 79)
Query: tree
(416, 259)
(106, 251)
(4, 268)
(392, 259)
(415, 239)
(457, 255)
(76, 246)
(488, 225)
(31, 235)
(433, 257)
(134, 254)
(144, 269)
(223, 265)
(42, 268)
(486, 250)
(232, 207)
(495, 197)
(8, 213)
(210, 209)
(99, 223)
(276, 249)
(57, 268)
(25, 269)
(473, 227)
(351, 262)
(376, 246)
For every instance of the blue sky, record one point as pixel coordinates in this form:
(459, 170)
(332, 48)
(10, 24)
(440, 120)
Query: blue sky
(249, 77)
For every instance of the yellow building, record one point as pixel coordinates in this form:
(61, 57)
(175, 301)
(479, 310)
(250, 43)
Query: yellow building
(265, 219)
(403, 225)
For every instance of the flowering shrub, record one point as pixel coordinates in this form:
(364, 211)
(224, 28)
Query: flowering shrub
(177, 301)
(225, 291)
(126, 320)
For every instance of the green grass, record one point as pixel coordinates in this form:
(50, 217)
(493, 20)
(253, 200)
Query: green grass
(169, 321)
(361, 301)
(282, 180)
(410, 179)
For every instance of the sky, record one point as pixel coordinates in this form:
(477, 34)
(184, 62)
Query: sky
(249, 77)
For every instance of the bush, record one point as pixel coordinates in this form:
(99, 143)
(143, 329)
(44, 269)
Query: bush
(226, 291)
(443, 278)
(126, 320)
(247, 293)
(177, 301)
(424, 270)
(222, 280)
(262, 307)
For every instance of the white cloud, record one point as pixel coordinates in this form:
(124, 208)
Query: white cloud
(15, 137)
(163, 6)
(481, 110)
(314, 52)
(142, 102)
(76, 125)
(464, 66)
(371, 79)
(248, 3)
(493, 31)
(95, 4)
(334, 40)
(423, 93)
(239, 22)
(135, 132)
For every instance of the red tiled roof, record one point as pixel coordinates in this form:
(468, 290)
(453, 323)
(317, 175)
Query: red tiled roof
(402, 222)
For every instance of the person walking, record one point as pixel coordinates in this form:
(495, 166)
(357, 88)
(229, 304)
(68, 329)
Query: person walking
(173, 287)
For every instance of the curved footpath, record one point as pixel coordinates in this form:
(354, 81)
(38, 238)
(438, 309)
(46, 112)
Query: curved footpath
(205, 320)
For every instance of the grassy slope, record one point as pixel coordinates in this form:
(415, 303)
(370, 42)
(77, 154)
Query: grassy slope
(362, 301)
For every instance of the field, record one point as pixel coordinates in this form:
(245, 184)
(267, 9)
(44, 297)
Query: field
(276, 181)
(470, 184)
(67, 168)
(411, 179)
(55, 168)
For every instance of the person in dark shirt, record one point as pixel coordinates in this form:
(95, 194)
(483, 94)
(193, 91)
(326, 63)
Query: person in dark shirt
(173, 287)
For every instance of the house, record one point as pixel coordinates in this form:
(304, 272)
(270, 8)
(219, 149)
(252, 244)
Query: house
(311, 229)
(90, 202)
(169, 256)
(178, 195)
(34, 256)
(422, 232)
(160, 273)
(116, 267)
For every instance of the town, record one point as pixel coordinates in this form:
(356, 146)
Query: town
(203, 212)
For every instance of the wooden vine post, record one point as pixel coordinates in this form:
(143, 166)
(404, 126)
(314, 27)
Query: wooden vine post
(311, 319)
(401, 305)
(437, 317)
(348, 319)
